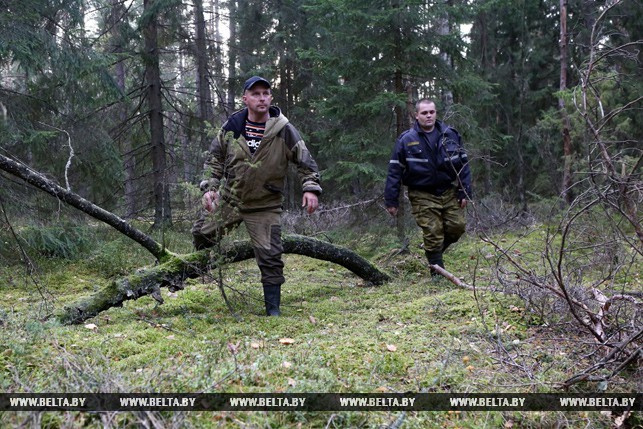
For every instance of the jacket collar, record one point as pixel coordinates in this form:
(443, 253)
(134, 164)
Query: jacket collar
(439, 125)
(237, 121)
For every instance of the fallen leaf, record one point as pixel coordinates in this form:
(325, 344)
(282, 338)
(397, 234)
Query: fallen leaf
(619, 422)
(170, 337)
(286, 364)
(286, 341)
(255, 345)
(382, 389)
(291, 382)
(91, 326)
(391, 347)
(312, 320)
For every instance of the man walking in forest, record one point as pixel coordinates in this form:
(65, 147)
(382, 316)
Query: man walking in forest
(244, 182)
(429, 159)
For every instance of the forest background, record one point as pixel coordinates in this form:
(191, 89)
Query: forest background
(117, 101)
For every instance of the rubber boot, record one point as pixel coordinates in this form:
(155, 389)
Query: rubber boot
(434, 258)
(272, 298)
(201, 242)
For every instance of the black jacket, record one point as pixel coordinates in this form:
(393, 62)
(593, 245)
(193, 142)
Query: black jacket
(431, 167)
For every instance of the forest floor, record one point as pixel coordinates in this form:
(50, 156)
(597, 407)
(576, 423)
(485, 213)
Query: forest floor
(336, 334)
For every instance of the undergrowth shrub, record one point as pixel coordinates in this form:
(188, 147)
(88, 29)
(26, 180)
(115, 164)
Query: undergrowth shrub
(111, 259)
(8, 253)
(59, 241)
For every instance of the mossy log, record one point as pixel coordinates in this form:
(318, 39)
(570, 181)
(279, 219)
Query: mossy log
(177, 268)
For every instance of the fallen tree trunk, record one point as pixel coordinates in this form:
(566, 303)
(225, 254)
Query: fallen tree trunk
(175, 270)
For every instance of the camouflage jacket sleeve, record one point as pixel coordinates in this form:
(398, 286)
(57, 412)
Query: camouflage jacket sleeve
(300, 155)
(213, 166)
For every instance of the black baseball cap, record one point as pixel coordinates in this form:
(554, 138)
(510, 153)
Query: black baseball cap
(253, 81)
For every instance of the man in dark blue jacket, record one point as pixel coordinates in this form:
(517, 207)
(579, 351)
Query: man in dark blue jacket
(429, 159)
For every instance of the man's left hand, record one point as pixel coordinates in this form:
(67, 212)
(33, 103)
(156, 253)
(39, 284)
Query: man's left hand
(310, 202)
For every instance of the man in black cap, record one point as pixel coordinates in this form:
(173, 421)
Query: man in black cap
(244, 182)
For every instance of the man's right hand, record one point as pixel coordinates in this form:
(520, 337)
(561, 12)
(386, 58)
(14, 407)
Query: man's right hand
(392, 211)
(210, 200)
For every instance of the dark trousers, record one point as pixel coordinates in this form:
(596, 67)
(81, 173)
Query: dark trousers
(264, 229)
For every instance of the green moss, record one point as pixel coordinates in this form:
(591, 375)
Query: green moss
(411, 334)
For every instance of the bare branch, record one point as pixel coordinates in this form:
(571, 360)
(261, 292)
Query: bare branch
(71, 153)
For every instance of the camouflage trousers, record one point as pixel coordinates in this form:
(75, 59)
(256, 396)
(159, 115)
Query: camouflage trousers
(440, 217)
(264, 229)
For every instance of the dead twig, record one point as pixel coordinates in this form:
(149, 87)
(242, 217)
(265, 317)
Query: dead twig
(610, 358)
(455, 280)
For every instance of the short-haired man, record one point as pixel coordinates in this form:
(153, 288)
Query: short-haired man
(429, 159)
(244, 182)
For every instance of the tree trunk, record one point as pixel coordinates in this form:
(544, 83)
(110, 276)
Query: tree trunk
(162, 210)
(401, 118)
(566, 191)
(444, 29)
(216, 53)
(204, 104)
(116, 21)
(232, 58)
(128, 153)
